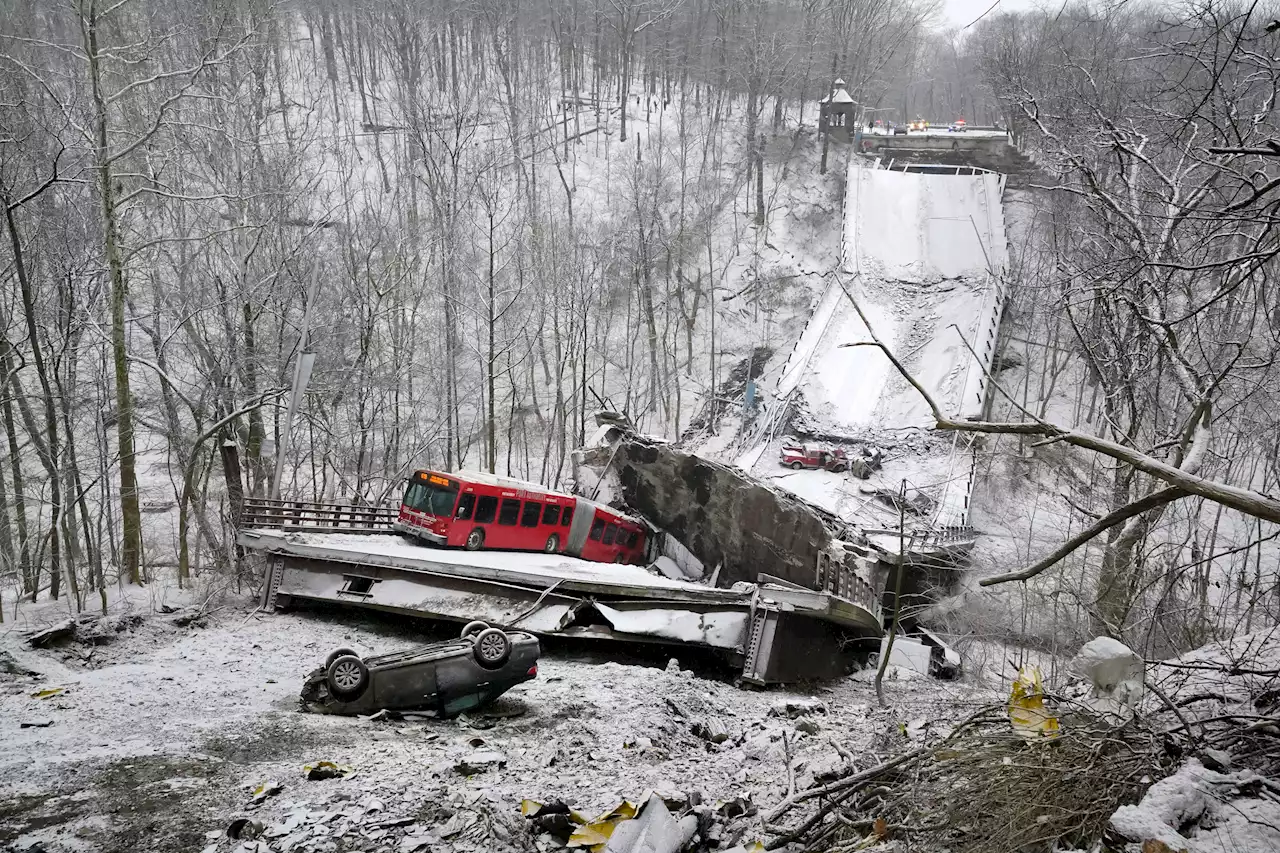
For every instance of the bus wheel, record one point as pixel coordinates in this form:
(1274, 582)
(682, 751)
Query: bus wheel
(475, 540)
(553, 544)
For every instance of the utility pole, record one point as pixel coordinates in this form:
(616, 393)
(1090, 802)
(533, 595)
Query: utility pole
(897, 591)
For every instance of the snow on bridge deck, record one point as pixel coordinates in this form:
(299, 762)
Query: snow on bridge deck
(921, 255)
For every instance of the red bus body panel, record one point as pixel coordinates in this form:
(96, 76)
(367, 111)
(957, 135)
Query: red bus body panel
(517, 516)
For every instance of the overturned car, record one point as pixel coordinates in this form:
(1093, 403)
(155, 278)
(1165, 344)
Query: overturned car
(446, 677)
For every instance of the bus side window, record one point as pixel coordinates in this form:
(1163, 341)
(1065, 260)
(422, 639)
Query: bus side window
(610, 533)
(486, 509)
(551, 514)
(510, 512)
(465, 505)
(597, 527)
(532, 512)
(630, 537)
(566, 516)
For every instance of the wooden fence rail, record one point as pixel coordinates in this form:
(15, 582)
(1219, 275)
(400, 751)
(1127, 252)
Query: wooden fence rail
(260, 513)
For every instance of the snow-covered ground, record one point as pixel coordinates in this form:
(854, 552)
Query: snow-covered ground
(159, 736)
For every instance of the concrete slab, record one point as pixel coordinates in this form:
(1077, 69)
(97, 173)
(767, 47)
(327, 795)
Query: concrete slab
(908, 653)
(555, 595)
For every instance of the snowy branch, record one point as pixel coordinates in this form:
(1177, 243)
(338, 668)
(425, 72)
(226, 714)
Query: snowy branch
(1244, 500)
(1102, 525)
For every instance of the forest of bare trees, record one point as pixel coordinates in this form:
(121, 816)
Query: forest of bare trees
(1149, 295)
(487, 220)
(506, 217)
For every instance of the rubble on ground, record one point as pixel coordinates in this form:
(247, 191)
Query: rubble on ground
(1052, 771)
(585, 732)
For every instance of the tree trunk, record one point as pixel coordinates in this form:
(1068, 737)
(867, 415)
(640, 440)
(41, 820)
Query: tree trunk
(491, 426)
(235, 495)
(30, 579)
(130, 513)
(257, 432)
(7, 554)
(46, 449)
(75, 484)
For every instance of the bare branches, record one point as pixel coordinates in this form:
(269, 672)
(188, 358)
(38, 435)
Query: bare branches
(1272, 150)
(39, 190)
(1245, 500)
(1110, 520)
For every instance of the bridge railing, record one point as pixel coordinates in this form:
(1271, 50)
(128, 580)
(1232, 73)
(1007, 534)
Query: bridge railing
(314, 517)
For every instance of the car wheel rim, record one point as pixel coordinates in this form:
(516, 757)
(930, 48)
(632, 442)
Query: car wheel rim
(491, 648)
(346, 676)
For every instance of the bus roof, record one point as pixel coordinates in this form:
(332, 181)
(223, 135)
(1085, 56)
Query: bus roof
(493, 480)
(594, 505)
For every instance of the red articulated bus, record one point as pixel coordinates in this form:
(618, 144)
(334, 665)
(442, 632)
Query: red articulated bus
(474, 511)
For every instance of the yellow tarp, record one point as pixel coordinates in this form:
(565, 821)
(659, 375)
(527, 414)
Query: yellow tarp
(1030, 718)
(595, 834)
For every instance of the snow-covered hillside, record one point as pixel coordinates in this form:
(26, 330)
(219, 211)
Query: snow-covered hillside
(921, 256)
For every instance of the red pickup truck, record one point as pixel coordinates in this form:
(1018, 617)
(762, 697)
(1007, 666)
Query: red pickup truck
(799, 456)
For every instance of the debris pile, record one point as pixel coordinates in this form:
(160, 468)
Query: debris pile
(88, 628)
(981, 788)
(1202, 811)
(659, 822)
(1048, 771)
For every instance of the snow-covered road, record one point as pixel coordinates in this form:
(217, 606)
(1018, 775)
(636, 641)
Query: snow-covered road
(922, 256)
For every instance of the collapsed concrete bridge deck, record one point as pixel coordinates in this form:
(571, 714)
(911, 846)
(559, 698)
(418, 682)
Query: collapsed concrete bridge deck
(778, 631)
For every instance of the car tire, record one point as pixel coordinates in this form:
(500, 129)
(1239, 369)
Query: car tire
(491, 648)
(475, 539)
(341, 651)
(347, 678)
(797, 465)
(473, 628)
(553, 544)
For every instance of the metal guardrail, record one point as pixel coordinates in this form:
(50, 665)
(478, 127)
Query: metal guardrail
(843, 580)
(942, 536)
(310, 516)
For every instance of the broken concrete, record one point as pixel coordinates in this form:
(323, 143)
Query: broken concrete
(479, 762)
(722, 516)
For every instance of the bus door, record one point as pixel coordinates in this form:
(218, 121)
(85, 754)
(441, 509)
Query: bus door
(463, 517)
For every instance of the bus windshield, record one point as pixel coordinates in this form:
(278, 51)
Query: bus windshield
(431, 499)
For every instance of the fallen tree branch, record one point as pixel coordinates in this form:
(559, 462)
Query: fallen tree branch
(1138, 507)
(529, 610)
(1246, 501)
(858, 779)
